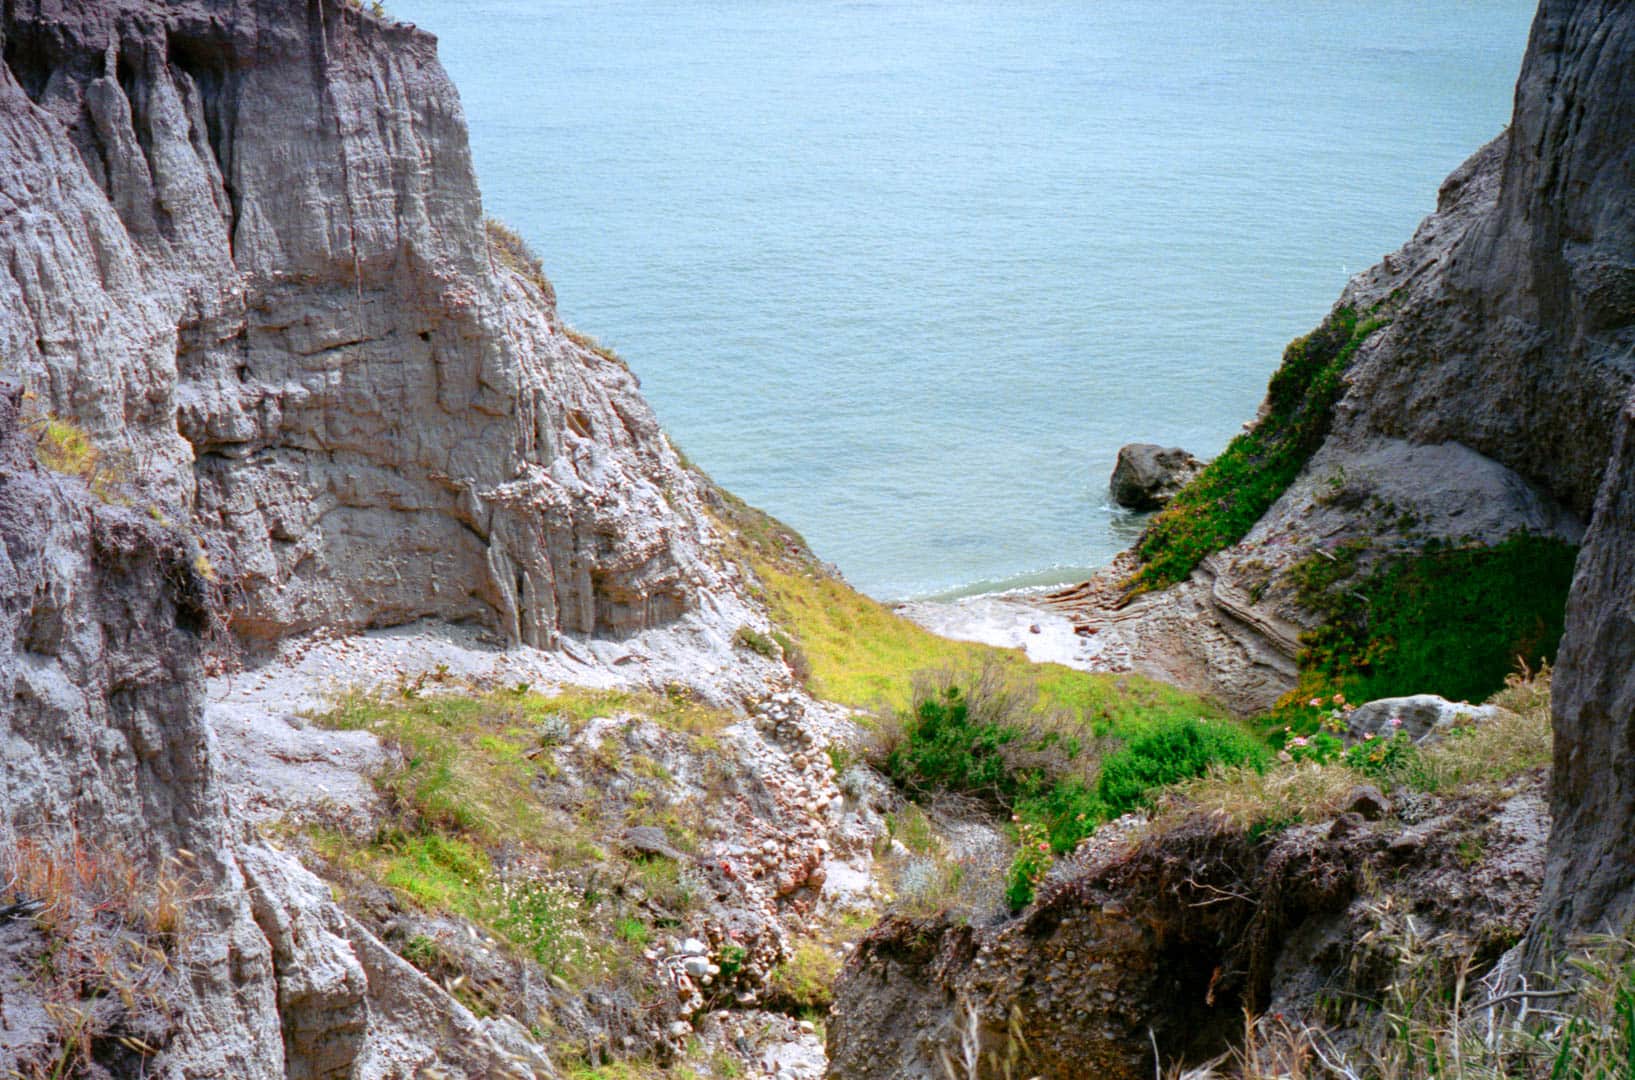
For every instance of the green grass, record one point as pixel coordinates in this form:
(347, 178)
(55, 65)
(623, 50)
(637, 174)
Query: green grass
(1058, 773)
(859, 652)
(1446, 620)
(470, 834)
(1223, 503)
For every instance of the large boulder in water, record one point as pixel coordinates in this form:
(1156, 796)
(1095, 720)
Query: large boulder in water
(1148, 475)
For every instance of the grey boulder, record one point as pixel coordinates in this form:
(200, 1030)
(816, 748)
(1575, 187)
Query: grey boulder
(1147, 475)
(1421, 717)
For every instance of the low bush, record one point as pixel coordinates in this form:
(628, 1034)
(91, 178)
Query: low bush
(1221, 505)
(1169, 752)
(805, 982)
(1059, 773)
(1445, 620)
(756, 642)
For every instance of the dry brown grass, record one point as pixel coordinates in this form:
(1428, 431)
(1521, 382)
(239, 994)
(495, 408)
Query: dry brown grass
(1248, 799)
(101, 964)
(1496, 750)
(517, 255)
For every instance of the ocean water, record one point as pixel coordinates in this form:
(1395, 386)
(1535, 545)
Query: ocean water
(906, 273)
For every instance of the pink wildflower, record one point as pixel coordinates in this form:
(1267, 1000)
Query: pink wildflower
(1317, 703)
(1339, 699)
(1299, 740)
(1369, 737)
(1396, 721)
(1043, 846)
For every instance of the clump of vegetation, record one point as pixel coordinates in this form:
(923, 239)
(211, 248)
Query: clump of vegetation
(1033, 861)
(804, 984)
(1441, 1021)
(1169, 752)
(66, 448)
(1316, 774)
(756, 642)
(1058, 772)
(469, 836)
(517, 255)
(586, 341)
(1218, 508)
(1447, 620)
(99, 958)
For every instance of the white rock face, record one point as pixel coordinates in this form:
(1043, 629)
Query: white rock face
(246, 252)
(1422, 717)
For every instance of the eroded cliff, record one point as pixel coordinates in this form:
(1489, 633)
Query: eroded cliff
(287, 378)
(246, 252)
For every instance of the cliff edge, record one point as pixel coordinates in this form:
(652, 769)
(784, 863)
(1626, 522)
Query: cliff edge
(247, 256)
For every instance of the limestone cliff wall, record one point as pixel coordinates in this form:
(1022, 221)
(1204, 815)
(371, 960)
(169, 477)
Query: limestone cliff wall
(244, 246)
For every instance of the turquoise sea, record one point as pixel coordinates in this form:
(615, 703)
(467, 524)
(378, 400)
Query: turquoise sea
(907, 273)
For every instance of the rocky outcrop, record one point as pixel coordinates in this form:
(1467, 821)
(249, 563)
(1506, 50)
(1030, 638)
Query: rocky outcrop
(1146, 476)
(1421, 717)
(101, 616)
(1590, 883)
(111, 773)
(1485, 404)
(1160, 943)
(245, 250)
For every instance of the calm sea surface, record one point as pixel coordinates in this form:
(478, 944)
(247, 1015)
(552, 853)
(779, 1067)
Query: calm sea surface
(907, 274)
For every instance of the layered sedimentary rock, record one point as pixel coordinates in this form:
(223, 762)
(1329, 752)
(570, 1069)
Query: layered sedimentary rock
(245, 250)
(244, 253)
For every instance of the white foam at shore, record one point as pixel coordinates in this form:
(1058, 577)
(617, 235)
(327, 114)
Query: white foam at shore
(1006, 620)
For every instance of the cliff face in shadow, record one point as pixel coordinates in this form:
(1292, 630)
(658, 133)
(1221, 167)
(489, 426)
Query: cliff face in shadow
(246, 250)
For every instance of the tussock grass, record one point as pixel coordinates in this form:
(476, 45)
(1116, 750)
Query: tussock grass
(517, 255)
(1447, 1023)
(1493, 751)
(1254, 800)
(68, 449)
(107, 931)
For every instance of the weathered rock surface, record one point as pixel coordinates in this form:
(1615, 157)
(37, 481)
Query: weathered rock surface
(1165, 940)
(1146, 476)
(246, 252)
(106, 759)
(1590, 884)
(1421, 717)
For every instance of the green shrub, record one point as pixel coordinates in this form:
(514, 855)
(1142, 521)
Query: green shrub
(996, 740)
(756, 642)
(1033, 861)
(1221, 505)
(1452, 621)
(946, 747)
(1169, 752)
(1068, 811)
(806, 981)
